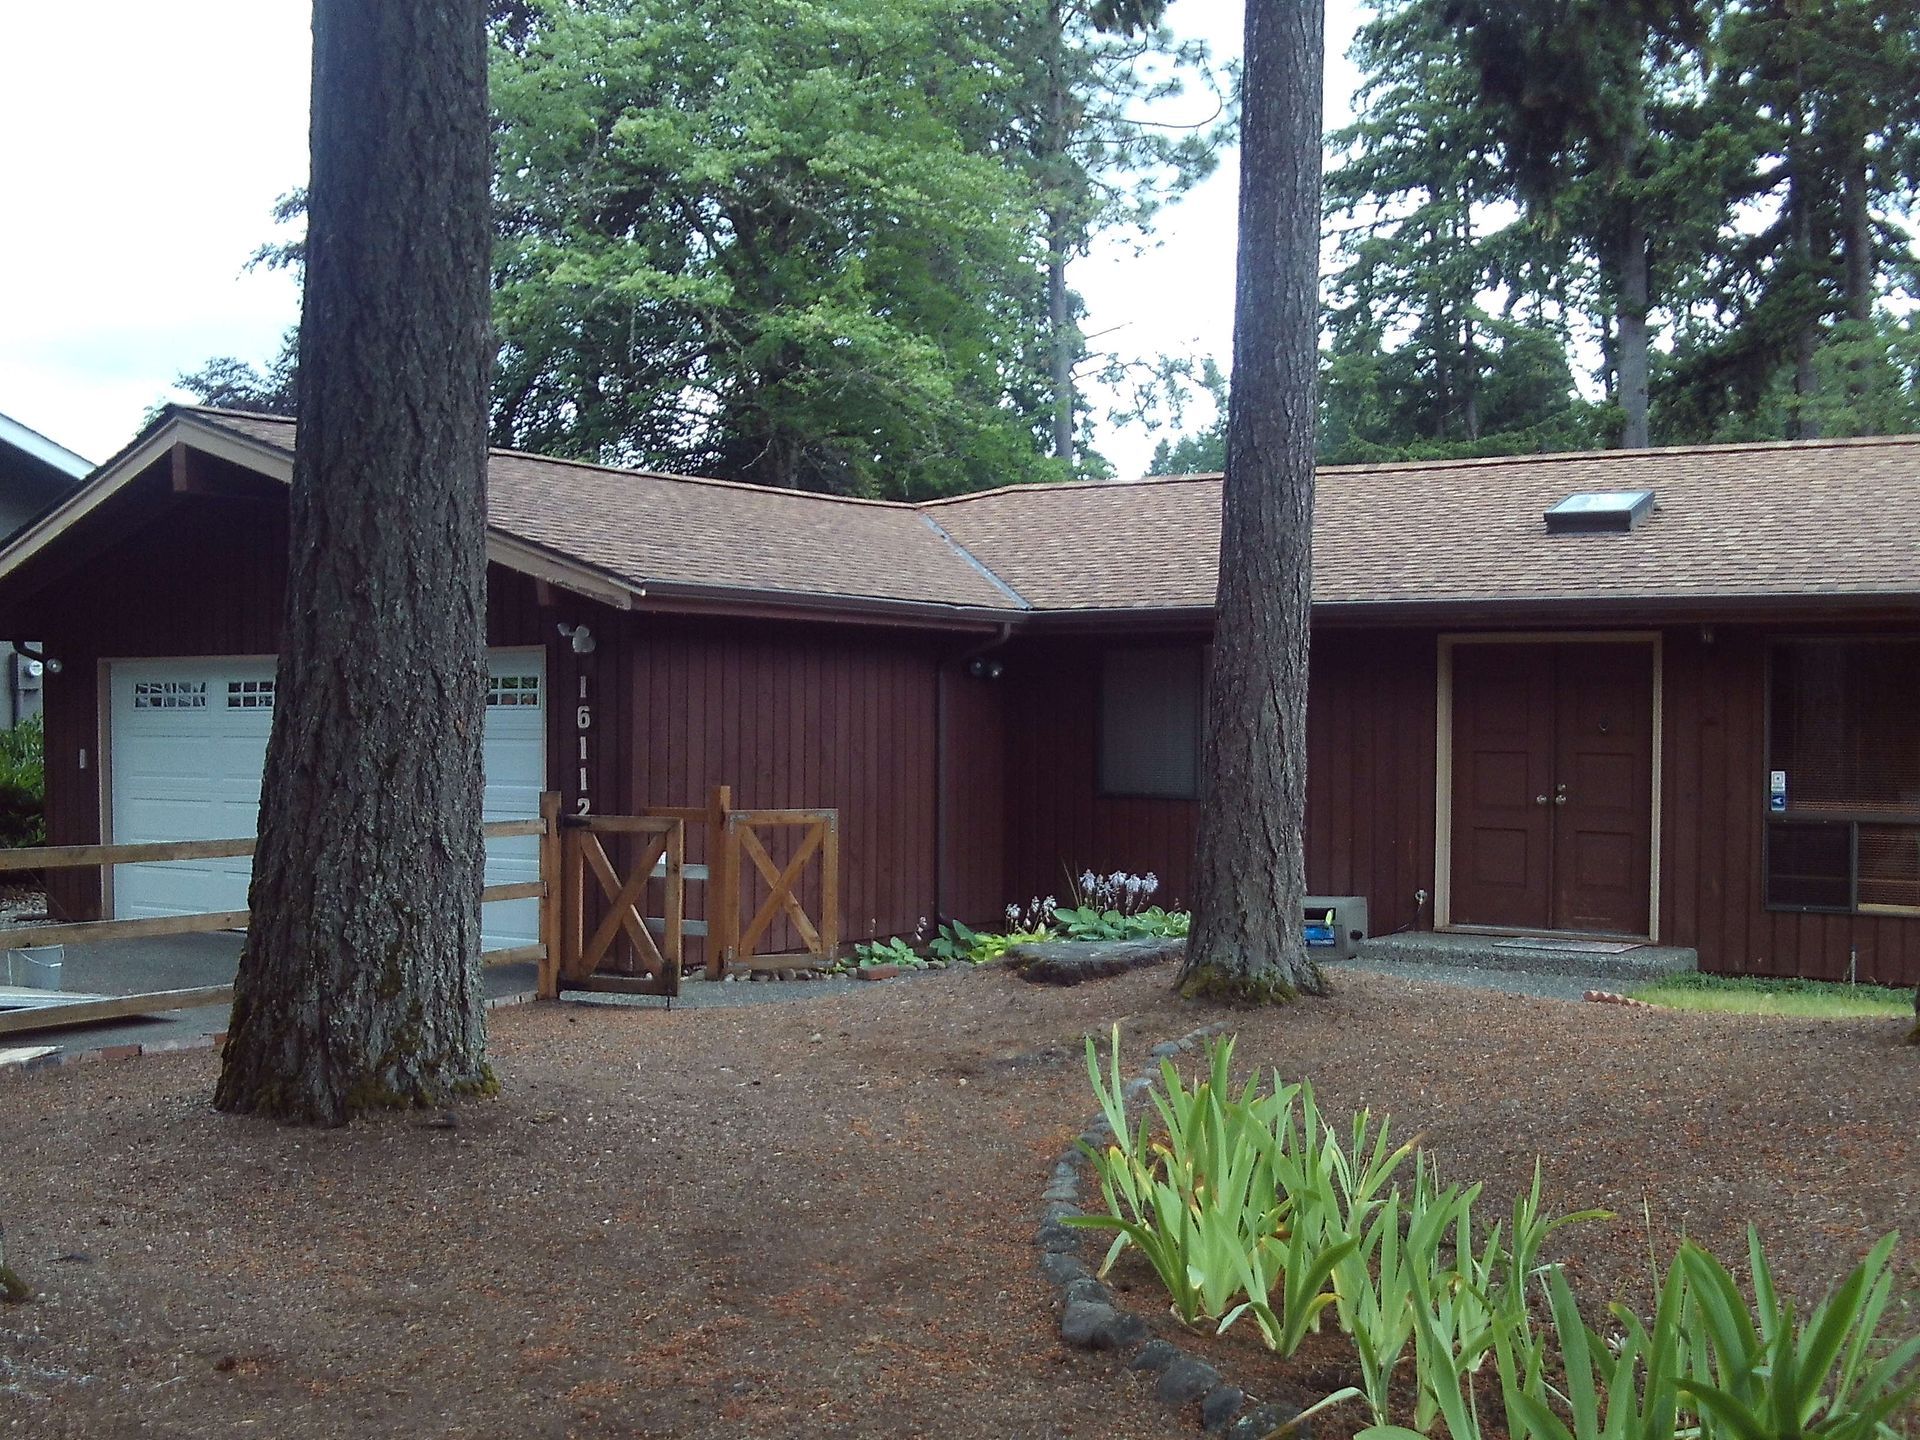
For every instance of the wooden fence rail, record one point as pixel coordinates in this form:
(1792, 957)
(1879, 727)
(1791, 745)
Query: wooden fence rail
(77, 857)
(573, 853)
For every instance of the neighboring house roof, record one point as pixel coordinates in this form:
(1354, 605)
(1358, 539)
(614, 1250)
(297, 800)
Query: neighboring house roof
(1804, 521)
(49, 454)
(34, 472)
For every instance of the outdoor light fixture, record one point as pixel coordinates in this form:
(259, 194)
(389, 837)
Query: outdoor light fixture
(983, 669)
(579, 636)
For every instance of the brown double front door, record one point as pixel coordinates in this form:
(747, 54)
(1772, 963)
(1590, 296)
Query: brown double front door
(1552, 816)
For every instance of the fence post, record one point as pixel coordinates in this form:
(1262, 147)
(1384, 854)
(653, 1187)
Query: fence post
(723, 884)
(675, 915)
(830, 889)
(551, 898)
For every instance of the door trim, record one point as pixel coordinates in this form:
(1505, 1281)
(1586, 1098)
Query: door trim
(1443, 758)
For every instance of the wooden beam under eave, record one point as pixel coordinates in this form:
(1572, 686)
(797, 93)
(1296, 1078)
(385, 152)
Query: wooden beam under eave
(194, 472)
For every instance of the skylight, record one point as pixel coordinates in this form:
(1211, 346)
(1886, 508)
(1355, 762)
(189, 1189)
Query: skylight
(1590, 510)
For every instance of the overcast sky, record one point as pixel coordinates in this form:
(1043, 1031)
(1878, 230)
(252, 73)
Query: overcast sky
(146, 145)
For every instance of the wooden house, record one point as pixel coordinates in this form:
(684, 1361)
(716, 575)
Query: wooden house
(1684, 707)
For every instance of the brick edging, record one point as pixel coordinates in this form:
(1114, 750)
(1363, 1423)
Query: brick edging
(213, 1040)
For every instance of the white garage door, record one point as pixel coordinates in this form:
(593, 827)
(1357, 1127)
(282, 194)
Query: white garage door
(189, 742)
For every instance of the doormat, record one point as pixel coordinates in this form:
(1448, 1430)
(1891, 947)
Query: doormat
(1579, 947)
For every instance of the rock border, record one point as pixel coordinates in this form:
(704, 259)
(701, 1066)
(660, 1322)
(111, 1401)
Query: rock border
(1091, 1317)
(1073, 962)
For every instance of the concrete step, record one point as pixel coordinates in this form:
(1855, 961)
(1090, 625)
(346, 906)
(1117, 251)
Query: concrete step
(1540, 955)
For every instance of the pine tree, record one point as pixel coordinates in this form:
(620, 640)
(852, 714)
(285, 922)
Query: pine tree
(1446, 323)
(1787, 338)
(1249, 865)
(359, 984)
(1100, 156)
(1593, 111)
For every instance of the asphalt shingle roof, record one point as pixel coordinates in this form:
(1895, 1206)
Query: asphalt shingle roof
(1762, 520)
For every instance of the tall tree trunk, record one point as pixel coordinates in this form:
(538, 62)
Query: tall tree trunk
(359, 985)
(1250, 867)
(1469, 353)
(1800, 203)
(1633, 352)
(1857, 236)
(1061, 336)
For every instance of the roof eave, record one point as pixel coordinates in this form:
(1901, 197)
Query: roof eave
(684, 598)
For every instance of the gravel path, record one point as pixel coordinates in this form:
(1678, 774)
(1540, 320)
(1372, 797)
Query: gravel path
(1508, 982)
(815, 1218)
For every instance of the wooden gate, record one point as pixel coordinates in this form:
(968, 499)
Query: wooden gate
(618, 952)
(819, 839)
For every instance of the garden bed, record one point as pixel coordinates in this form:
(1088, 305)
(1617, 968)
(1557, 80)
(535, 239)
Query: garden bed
(817, 1218)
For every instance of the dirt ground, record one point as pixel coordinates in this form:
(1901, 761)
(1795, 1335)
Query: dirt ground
(816, 1218)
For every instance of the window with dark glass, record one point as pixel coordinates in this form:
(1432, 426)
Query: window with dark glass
(1150, 722)
(1843, 727)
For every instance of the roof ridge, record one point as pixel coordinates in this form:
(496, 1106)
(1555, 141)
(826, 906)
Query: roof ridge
(1051, 485)
(992, 576)
(1541, 457)
(634, 472)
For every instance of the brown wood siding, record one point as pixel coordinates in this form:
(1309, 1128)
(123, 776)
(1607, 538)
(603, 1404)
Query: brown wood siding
(1370, 801)
(972, 796)
(795, 715)
(1370, 735)
(789, 716)
(1057, 822)
(1714, 810)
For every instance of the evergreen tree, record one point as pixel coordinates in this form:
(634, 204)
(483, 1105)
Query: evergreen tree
(1447, 322)
(359, 984)
(1100, 157)
(1249, 851)
(1598, 126)
(766, 241)
(1788, 335)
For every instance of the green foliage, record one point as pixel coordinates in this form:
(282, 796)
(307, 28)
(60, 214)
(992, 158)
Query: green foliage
(772, 242)
(1767, 1378)
(1086, 923)
(891, 951)
(1714, 1366)
(1247, 1204)
(954, 942)
(1754, 995)
(23, 786)
(1447, 319)
(1250, 1197)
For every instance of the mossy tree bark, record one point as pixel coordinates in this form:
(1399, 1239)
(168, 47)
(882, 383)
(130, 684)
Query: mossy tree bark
(1250, 868)
(359, 984)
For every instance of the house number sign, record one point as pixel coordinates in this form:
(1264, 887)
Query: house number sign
(582, 723)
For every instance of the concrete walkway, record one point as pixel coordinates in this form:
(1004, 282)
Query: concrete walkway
(171, 962)
(1549, 968)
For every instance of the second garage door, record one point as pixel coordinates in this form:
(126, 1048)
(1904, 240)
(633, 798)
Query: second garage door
(189, 743)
